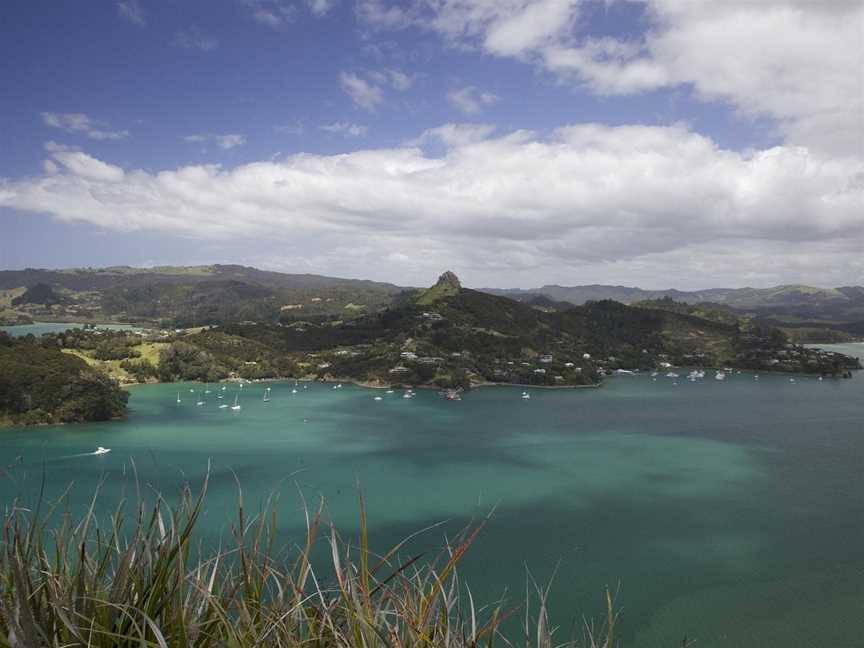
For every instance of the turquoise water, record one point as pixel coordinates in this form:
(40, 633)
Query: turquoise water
(727, 511)
(40, 328)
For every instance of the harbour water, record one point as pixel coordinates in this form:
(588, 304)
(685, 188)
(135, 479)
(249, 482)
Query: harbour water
(40, 328)
(728, 511)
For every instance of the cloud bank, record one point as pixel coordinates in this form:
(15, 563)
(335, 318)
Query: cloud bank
(564, 205)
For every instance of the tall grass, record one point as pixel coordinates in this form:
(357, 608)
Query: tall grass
(146, 580)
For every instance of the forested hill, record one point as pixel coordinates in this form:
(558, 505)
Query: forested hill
(183, 296)
(41, 384)
(805, 313)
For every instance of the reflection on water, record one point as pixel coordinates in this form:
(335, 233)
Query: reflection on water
(724, 511)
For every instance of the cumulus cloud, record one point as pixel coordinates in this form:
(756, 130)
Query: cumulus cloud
(797, 61)
(346, 129)
(131, 11)
(470, 100)
(82, 124)
(226, 141)
(195, 38)
(560, 206)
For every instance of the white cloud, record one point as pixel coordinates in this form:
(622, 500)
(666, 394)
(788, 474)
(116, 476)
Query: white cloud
(454, 135)
(663, 204)
(195, 38)
(797, 61)
(346, 129)
(470, 100)
(226, 141)
(364, 93)
(321, 8)
(81, 123)
(276, 14)
(131, 11)
(366, 88)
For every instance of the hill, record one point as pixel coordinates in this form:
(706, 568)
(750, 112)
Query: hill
(184, 296)
(805, 312)
(452, 336)
(41, 384)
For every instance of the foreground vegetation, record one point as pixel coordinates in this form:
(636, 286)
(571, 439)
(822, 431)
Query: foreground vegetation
(145, 580)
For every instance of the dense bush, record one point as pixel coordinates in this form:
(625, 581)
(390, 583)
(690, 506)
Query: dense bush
(184, 361)
(40, 384)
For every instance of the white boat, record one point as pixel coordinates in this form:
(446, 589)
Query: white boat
(224, 387)
(389, 391)
(267, 395)
(178, 398)
(526, 395)
(236, 406)
(625, 372)
(671, 374)
(792, 380)
(378, 398)
(293, 391)
(654, 374)
(100, 451)
(191, 391)
(339, 386)
(719, 376)
(407, 395)
(223, 406)
(200, 401)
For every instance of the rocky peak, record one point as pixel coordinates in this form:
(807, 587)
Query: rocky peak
(449, 280)
(447, 286)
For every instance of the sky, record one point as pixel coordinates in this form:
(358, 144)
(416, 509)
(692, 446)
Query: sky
(665, 143)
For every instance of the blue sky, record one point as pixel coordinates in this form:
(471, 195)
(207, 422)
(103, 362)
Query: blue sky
(516, 142)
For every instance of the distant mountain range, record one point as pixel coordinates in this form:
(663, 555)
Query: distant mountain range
(786, 303)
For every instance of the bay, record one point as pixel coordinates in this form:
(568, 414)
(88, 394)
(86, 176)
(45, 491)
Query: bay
(40, 328)
(729, 511)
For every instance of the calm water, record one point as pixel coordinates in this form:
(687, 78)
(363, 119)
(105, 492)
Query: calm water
(39, 328)
(730, 511)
